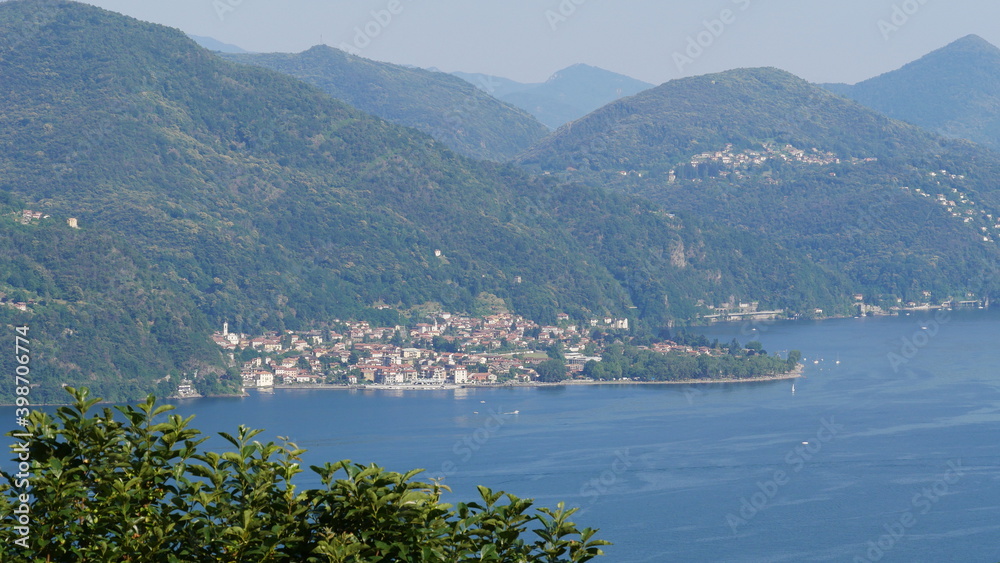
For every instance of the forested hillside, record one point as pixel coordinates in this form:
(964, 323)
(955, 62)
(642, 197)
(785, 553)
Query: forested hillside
(206, 191)
(895, 210)
(97, 310)
(253, 198)
(445, 107)
(954, 91)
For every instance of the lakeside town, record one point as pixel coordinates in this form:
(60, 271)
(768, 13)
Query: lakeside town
(446, 350)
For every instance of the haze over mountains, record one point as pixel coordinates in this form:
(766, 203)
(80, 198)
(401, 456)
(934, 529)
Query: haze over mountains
(465, 119)
(568, 94)
(954, 91)
(224, 192)
(897, 210)
(209, 191)
(213, 44)
(495, 120)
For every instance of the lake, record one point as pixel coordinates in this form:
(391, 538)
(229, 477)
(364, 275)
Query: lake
(887, 449)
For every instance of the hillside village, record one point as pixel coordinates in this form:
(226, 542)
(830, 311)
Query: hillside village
(729, 162)
(447, 350)
(961, 206)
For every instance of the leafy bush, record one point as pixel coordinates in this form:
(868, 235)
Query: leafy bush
(142, 490)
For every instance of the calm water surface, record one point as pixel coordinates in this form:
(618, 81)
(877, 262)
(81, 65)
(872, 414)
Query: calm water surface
(892, 454)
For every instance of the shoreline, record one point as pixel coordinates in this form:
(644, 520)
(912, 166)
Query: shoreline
(893, 312)
(794, 374)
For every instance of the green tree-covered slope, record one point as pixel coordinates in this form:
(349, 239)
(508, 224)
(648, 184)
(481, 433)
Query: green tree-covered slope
(452, 111)
(270, 200)
(895, 210)
(954, 91)
(97, 312)
(247, 196)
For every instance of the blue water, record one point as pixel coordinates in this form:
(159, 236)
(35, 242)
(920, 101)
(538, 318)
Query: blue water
(903, 445)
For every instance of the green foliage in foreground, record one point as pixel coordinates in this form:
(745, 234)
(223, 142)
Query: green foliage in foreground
(141, 490)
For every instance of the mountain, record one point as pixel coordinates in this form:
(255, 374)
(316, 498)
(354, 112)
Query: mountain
(443, 106)
(151, 190)
(95, 304)
(496, 86)
(896, 210)
(954, 91)
(568, 94)
(213, 44)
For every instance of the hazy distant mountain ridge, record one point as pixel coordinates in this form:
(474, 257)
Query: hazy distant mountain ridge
(954, 91)
(213, 44)
(662, 126)
(568, 94)
(441, 105)
(762, 150)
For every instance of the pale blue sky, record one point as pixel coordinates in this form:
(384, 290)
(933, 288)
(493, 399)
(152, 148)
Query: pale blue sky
(527, 40)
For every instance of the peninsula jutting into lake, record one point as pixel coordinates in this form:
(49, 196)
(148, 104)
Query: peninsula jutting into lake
(445, 349)
(729, 298)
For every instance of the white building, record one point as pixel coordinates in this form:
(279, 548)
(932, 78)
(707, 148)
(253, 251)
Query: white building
(460, 375)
